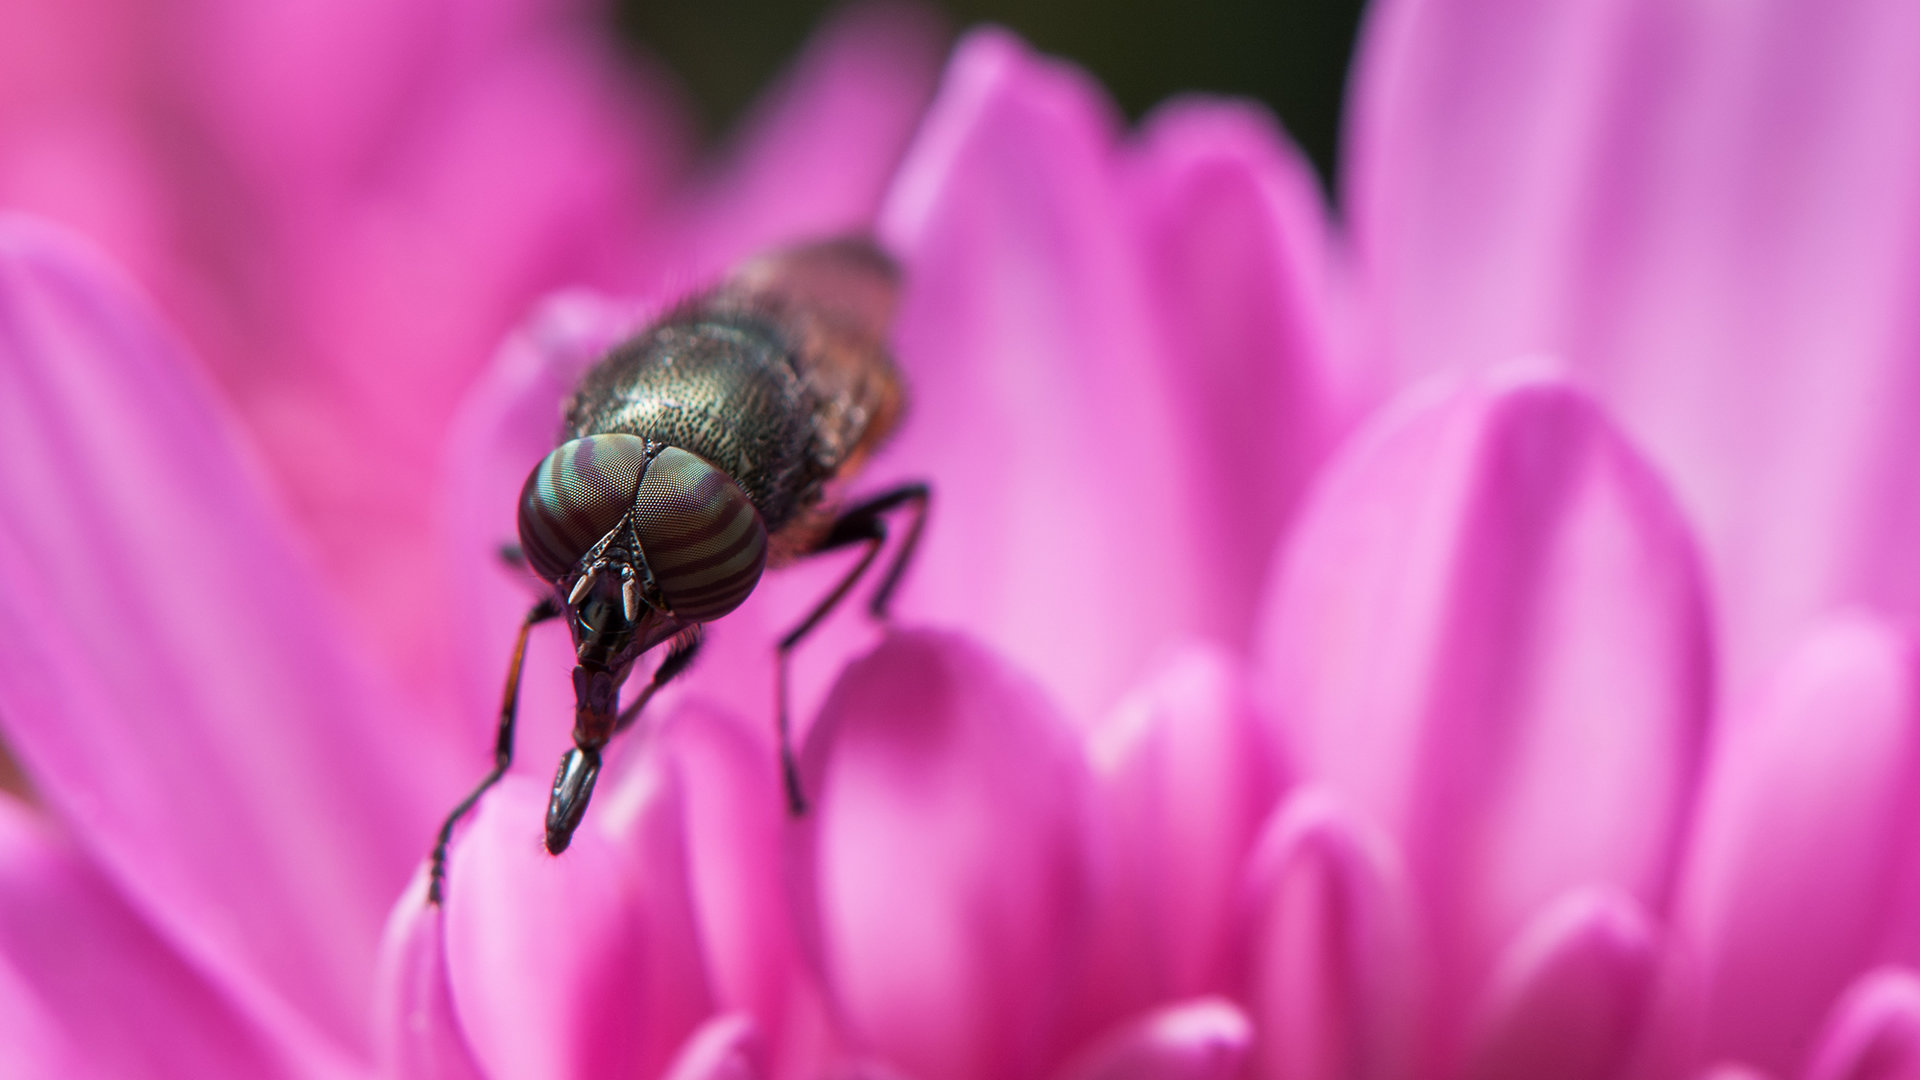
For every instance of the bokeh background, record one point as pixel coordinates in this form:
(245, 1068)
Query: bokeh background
(1290, 54)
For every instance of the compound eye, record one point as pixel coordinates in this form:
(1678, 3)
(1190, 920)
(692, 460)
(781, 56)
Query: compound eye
(703, 539)
(575, 496)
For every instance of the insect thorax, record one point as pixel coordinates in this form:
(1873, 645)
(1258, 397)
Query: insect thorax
(723, 386)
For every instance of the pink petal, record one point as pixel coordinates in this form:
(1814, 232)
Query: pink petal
(584, 964)
(1708, 208)
(1489, 633)
(724, 1048)
(1205, 1039)
(1802, 869)
(1028, 337)
(1186, 772)
(1572, 994)
(946, 858)
(815, 156)
(36, 1042)
(736, 823)
(418, 1030)
(1874, 1033)
(1331, 979)
(174, 681)
(86, 979)
(1238, 261)
(518, 177)
(1731, 1072)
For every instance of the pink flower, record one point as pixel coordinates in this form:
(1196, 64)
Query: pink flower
(1257, 707)
(345, 206)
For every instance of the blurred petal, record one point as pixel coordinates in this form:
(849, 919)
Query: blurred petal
(1803, 863)
(1874, 1033)
(582, 965)
(1186, 771)
(1731, 1072)
(1238, 261)
(519, 176)
(946, 854)
(1027, 334)
(97, 986)
(1571, 995)
(173, 680)
(1489, 633)
(724, 1048)
(418, 1034)
(1199, 1040)
(1330, 952)
(35, 1037)
(1709, 209)
(817, 153)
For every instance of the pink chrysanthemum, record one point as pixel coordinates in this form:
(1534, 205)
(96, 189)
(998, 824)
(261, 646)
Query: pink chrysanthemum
(1466, 643)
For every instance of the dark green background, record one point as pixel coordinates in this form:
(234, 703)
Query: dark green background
(1291, 54)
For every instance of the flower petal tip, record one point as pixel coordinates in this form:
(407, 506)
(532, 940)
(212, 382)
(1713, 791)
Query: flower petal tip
(1874, 1031)
(1206, 1039)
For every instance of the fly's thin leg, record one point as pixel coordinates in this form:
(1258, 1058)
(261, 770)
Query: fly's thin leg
(679, 658)
(866, 524)
(502, 750)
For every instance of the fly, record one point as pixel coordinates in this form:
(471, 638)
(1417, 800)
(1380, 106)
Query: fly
(694, 455)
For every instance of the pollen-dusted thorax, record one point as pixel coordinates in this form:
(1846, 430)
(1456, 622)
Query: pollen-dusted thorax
(692, 538)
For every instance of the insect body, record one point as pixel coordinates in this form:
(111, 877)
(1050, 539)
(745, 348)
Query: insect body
(694, 455)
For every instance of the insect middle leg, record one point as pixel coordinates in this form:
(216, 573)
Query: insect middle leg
(866, 524)
(502, 749)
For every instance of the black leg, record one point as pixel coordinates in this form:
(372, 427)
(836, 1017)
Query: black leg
(866, 524)
(679, 658)
(502, 750)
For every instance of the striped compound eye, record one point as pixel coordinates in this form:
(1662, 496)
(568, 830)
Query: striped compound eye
(575, 496)
(703, 540)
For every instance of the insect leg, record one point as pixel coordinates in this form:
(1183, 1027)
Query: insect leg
(679, 658)
(863, 523)
(502, 749)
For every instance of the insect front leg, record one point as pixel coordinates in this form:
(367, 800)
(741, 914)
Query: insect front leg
(502, 749)
(866, 524)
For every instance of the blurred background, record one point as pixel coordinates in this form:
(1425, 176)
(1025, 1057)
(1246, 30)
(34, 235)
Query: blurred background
(1290, 54)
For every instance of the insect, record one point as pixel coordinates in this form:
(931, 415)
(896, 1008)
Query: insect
(695, 454)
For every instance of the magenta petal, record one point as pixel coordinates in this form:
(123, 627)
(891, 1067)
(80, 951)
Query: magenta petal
(418, 1033)
(581, 965)
(1729, 1071)
(1028, 336)
(1571, 996)
(1709, 209)
(1238, 261)
(87, 979)
(1489, 633)
(1331, 972)
(947, 858)
(174, 680)
(724, 1048)
(1802, 869)
(1198, 1040)
(1874, 1033)
(736, 813)
(1186, 772)
(818, 151)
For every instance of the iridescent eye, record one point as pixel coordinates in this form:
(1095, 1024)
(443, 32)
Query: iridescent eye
(703, 539)
(575, 496)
